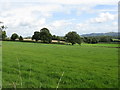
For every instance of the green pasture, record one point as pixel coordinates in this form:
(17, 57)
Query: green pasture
(102, 45)
(35, 65)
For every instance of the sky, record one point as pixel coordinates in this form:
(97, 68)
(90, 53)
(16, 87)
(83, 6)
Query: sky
(24, 17)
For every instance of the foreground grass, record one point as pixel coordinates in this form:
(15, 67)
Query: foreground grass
(42, 65)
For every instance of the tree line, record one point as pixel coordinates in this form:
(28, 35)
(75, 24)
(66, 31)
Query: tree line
(45, 36)
(97, 39)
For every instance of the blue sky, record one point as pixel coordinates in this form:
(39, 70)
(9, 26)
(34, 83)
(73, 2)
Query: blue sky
(59, 16)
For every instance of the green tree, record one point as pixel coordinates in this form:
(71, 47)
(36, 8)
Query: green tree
(105, 39)
(45, 35)
(36, 36)
(4, 35)
(91, 40)
(14, 36)
(20, 38)
(54, 37)
(94, 40)
(73, 37)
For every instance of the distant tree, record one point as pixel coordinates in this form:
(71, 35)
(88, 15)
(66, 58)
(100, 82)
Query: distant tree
(4, 35)
(20, 38)
(45, 35)
(73, 37)
(36, 36)
(2, 32)
(59, 38)
(28, 37)
(85, 39)
(14, 36)
(93, 40)
(105, 39)
(54, 37)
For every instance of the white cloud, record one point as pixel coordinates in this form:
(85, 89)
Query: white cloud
(61, 23)
(35, 15)
(41, 21)
(70, 2)
(81, 25)
(60, 27)
(95, 28)
(105, 22)
(115, 23)
(103, 17)
(42, 9)
(25, 19)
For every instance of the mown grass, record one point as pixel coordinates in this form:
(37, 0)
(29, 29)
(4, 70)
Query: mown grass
(42, 65)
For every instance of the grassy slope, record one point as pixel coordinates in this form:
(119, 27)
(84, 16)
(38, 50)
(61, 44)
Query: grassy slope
(41, 65)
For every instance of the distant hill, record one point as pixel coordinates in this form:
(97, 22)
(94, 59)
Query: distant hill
(102, 34)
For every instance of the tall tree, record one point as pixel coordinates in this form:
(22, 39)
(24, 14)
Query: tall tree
(14, 36)
(2, 32)
(4, 35)
(45, 35)
(36, 36)
(73, 37)
(20, 38)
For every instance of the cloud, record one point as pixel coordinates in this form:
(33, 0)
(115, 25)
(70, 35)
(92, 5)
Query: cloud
(39, 9)
(61, 23)
(115, 23)
(27, 17)
(69, 2)
(105, 22)
(103, 17)
(85, 28)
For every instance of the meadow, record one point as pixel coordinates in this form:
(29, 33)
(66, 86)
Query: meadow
(103, 45)
(35, 65)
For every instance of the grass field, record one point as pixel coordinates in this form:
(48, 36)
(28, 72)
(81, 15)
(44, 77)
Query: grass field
(58, 66)
(102, 45)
